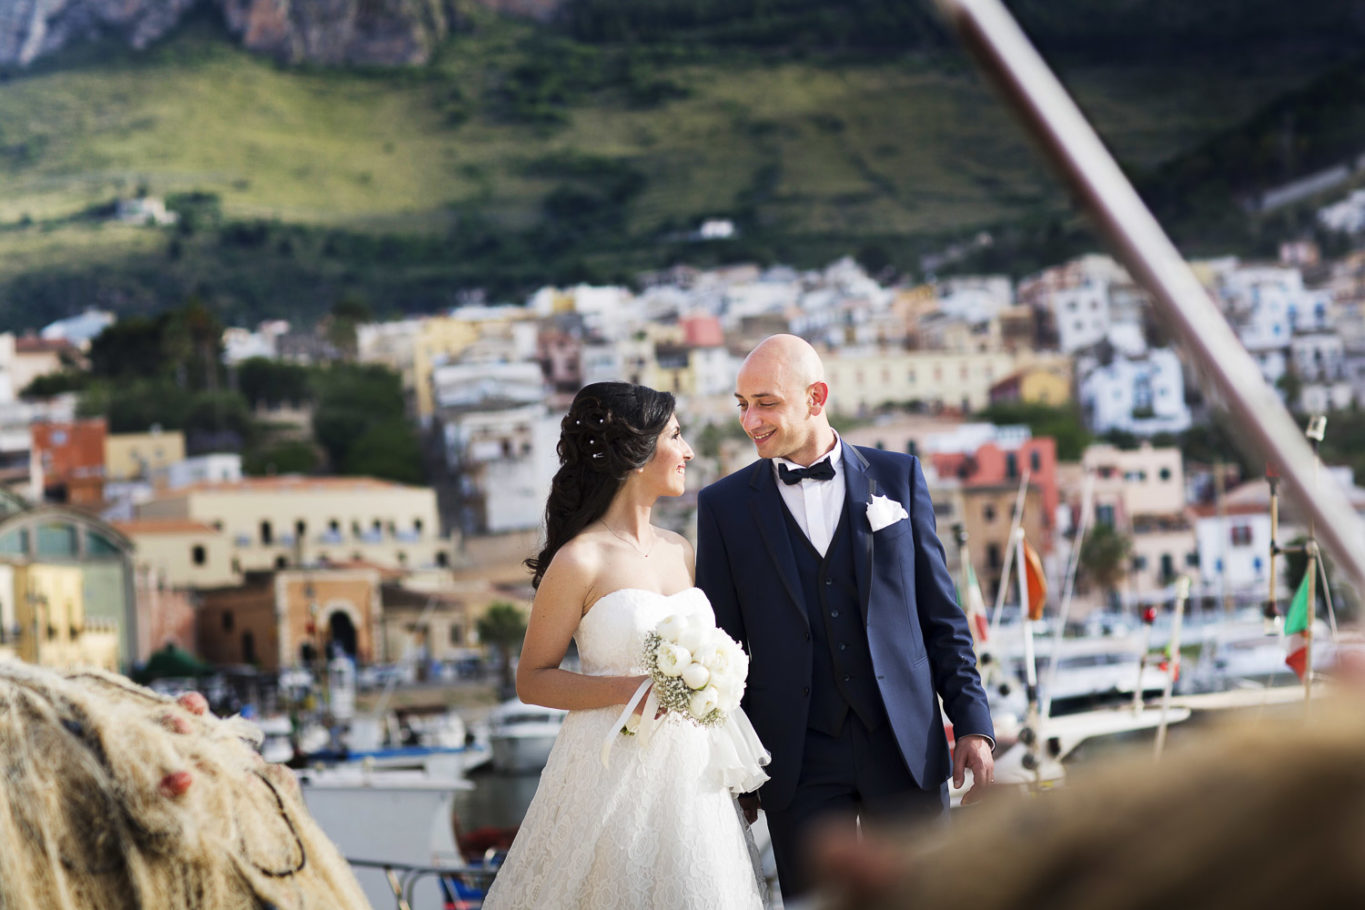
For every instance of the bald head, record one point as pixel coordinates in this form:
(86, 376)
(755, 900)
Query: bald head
(782, 395)
(790, 360)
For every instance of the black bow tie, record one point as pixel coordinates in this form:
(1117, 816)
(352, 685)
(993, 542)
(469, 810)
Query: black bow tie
(821, 470)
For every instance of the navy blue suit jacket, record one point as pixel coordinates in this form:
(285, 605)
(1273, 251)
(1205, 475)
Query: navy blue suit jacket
(918, 635)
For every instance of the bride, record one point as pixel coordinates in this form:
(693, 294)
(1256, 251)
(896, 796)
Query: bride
(639, 823)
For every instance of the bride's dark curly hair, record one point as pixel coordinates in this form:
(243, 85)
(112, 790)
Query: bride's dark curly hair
(611, 429)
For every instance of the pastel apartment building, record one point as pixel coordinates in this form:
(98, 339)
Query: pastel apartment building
(276, 522)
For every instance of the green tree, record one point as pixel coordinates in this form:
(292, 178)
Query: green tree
(389, 449)
(503, 626)
(358, 422)
(289, 456)
(1104, 558)
(129, 347)
(1062, 423)
(273, 382)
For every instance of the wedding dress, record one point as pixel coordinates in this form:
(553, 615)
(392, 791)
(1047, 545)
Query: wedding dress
(651, 829)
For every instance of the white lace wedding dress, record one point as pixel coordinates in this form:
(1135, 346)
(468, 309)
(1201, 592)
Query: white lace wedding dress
(650, 830)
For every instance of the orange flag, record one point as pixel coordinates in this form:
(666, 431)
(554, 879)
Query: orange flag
(1037, 584)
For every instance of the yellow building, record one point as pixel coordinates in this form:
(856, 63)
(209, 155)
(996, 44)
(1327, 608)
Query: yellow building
(136, 456)
(276, 522)
(864, 380)
(42, 609)
(1047, 381)
(185, 553)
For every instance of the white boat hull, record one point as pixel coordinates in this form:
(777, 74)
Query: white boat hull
(394, 816)
(521, 752)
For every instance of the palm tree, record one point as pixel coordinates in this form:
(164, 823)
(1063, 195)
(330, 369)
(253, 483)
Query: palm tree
(503, 626)
(1104, 557)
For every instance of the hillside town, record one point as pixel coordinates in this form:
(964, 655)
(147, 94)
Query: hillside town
(115, 545)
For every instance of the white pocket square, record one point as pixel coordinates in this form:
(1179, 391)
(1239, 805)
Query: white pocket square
(882, 512)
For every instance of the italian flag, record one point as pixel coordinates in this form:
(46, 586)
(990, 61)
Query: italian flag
(1295, 622)
(975, 606)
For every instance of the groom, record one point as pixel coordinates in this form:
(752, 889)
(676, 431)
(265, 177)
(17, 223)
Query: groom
(822, 560)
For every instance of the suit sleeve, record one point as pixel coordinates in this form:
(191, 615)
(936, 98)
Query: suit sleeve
(947, 637)
(714, 573)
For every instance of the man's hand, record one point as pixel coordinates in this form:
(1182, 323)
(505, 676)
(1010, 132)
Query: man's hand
(973, 751)
(749, 803)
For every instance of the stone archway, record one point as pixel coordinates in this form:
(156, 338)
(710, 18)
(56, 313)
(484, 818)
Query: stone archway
(341, 632)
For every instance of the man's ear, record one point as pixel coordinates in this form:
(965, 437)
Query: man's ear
(819, 397)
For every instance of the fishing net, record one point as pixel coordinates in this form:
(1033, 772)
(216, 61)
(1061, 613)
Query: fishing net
(117, 798)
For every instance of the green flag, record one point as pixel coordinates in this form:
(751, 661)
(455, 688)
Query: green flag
(1296, 620)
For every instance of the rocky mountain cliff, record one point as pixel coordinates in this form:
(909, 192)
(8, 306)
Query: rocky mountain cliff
(360, 32)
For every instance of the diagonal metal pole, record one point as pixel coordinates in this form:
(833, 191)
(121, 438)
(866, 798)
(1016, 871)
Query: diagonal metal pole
(990, 33)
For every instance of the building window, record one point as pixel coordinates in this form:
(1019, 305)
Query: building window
(1104, 515)
(227, 621)
(1165, 474)
(300, 528)
(456, 634)
(281, 562)
(988, 512)
(442, 558)
(1011, 464)
(248, 647)
(417, 525)
(267, 534)
(1240, 535)
(1035, 461)
(198, 554)
(993, 555)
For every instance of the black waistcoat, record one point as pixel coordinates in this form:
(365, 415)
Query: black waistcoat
(842, 677)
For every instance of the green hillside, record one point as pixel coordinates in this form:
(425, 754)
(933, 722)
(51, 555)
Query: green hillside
(522, 156)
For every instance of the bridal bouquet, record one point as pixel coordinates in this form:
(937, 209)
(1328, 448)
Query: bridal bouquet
(698, 670)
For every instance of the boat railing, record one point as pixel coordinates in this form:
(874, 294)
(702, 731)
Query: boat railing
(464, 886)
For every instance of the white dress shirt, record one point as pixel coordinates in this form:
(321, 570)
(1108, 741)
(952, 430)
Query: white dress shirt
(816, 504)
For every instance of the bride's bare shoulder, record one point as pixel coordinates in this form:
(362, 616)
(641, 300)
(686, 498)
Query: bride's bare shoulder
(578, 562)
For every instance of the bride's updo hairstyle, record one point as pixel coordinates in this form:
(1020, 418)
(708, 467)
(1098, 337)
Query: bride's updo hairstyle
(611, 429)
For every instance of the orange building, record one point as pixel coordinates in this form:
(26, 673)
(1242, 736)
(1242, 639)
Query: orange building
(993, 466)
(289, 618)
(72, 459)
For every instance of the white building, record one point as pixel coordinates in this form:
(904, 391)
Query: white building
(468, 385)
(1140, 395)
(505, 458)
(1259, 301)
(241, 344)
(79, 330)
(1319, 360)
(216, 467)
(975, 298)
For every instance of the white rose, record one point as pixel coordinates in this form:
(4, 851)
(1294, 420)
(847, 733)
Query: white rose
(736, 660)
(729, 691)
(703, 702)
(693, 637)
(696, 675)
(713, 655)
(673, 659)
(672, 627)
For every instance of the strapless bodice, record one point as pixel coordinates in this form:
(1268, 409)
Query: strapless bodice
(611, 636)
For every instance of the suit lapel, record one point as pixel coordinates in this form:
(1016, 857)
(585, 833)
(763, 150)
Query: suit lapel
(768, 509)
(860, 488)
